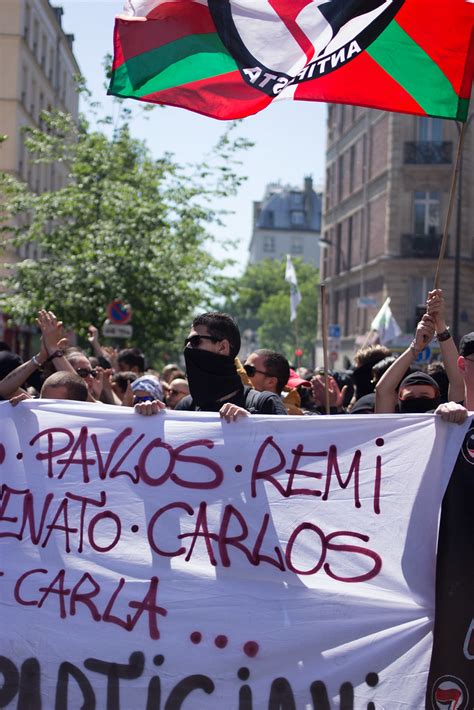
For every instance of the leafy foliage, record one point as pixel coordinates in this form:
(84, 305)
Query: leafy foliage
(124, 226)
(261, 302)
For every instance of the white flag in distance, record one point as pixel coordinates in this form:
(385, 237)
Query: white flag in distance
(385, 324)
(295, 295)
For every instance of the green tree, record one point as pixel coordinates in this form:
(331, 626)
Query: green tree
(260, 302)
(124, 226)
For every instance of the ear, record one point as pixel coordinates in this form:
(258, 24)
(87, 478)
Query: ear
(461, 364)
(224, 347)
(273, 380)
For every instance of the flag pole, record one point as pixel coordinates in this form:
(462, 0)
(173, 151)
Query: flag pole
(454, 179)
(324, 332)
(298, 363)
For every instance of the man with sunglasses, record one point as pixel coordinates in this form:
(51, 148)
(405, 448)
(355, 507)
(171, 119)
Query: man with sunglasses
(267, 370)
(210, 350)
(176, 391)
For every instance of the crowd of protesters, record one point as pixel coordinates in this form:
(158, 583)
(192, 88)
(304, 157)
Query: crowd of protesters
(214, 379)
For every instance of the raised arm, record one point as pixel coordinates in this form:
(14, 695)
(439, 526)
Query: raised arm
(386, 388)
(12, 382)
(53, 339)
(449, 351)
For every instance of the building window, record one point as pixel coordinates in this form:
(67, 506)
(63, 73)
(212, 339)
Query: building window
(297, 246)
(297, 218)
(269, 243)
(26, 26)
(352, 169)
(429, 129)
(43, 51)
(35, 37)
(33, 98)
(51, 64)
(21, 154)
(340, 177)
(426, 213)
(296, 199)
(24, 85)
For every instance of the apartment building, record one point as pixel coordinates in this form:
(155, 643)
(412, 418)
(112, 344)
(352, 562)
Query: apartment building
(388, 180)
(37, 72)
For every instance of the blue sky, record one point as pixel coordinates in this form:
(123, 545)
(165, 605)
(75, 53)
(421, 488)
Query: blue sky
(289, 136)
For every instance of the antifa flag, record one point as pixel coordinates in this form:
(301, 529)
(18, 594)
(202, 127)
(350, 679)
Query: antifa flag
(232, 58)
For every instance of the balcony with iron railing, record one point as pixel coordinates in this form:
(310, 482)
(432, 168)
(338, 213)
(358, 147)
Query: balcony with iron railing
(428, 153)
(420, 246)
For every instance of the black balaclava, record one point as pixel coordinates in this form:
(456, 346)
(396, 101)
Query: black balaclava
(211, 377)
(419, 405)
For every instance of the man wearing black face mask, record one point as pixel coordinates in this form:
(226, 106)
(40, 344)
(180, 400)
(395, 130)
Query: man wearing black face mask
(418, 393)
(214, 383)
(390, 396)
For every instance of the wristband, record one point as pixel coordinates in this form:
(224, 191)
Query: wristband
(57, 353)
(444, 335)
(36, 362)
(414, 350)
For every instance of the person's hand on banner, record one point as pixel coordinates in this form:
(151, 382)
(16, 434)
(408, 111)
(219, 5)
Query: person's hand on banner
(231, 412)
(19, 398)
(452, 412)
(149, 408)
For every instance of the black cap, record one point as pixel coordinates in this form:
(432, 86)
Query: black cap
(466, 346)
(419, 378)
(365, 404)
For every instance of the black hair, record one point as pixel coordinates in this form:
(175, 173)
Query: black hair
(222, 327)
(276, 365)
(132, 357)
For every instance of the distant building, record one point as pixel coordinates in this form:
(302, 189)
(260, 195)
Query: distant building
(388, 178)
(287, 221)
(37, 72)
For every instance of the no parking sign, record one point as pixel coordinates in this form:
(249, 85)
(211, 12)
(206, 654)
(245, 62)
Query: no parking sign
(119, 312)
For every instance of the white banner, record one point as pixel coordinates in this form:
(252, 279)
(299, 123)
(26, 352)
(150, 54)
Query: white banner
(178, 561)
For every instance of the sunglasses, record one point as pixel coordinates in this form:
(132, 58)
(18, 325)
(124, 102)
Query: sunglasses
(85, 372)
(144, 398)
(195, 340)
(251, 370)
(173, 391)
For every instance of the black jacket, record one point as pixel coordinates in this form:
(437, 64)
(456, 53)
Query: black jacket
(251, 400)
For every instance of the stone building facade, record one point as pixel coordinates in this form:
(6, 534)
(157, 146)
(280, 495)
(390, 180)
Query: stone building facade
(388, 180)
(38, 71)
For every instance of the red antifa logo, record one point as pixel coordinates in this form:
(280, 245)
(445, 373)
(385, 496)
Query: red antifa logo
(449, 693)
(468, 447)
(289, 41)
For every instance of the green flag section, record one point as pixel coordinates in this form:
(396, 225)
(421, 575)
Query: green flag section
(229, 59)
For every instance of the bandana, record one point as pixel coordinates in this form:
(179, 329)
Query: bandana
(150, 385)
(211, 377)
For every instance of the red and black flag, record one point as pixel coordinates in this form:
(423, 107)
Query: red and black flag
(232, 58)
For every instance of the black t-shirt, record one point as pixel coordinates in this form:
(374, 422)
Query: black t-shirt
(251, 400)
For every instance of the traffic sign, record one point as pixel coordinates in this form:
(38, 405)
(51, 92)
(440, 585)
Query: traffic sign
(334, 331)
(424, 356)
(119, 312)
(113, 330)
(367, 302)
